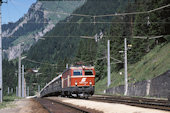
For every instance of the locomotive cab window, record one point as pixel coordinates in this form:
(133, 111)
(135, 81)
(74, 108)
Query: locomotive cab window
(88, 72)
(77, 72)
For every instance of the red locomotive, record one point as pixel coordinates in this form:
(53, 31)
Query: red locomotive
(75, 81)
(78, 80)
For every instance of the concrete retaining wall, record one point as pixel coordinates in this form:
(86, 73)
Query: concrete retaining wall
(157, 87)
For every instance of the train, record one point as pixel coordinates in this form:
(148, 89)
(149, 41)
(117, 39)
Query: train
(76, 81)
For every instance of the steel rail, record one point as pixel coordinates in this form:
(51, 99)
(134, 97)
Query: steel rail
(46, 108)
(70, 106)
(61, 103)
(135, 101)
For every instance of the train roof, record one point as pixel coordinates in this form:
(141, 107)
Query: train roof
(52, 81)
(77, 67)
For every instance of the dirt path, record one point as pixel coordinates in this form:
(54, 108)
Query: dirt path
(25, 106)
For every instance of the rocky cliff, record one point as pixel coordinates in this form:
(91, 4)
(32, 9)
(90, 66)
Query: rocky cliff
(40, 19)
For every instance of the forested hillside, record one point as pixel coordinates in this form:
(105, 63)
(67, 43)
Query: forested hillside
(64, 44)
(63, 41)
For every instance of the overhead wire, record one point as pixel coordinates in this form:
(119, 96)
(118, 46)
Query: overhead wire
(97, 22)
(63, 13)
(55, 37)
(44, 63)
(108, 15)
(134, 13)
(95, 60)
(115, 14)
(115, 59)
(33, 61)
(55, 65)
(89, 37)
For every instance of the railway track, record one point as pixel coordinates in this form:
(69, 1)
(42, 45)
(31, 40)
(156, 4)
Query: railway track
(134, 101)
(53, 106)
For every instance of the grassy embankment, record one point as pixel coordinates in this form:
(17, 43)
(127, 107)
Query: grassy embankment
(7, 101)
(151, 65)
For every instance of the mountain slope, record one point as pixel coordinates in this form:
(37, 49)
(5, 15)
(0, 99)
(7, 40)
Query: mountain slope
(40, 19)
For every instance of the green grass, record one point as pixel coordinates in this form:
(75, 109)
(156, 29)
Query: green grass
(25, 38)
(151, 65)
(7, 101)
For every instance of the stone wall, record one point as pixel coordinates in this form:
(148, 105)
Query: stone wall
(160, 86)
(157, 87)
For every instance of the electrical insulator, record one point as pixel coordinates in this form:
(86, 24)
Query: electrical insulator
(148, 23)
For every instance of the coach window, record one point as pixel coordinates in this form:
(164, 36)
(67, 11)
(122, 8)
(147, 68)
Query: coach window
(88, 72)
(77, 72)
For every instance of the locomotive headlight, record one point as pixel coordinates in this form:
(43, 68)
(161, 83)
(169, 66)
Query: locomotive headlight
(76, 83)
(90, 83)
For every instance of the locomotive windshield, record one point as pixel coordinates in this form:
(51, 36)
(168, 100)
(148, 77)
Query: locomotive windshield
(77, 72)
(88, 72)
